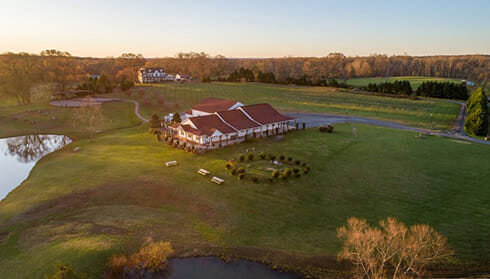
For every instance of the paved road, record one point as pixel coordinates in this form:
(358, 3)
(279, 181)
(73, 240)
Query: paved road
(136, 109)
(318, 119)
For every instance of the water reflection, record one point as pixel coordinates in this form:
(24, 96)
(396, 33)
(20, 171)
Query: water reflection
(212, 268)
(18, 155)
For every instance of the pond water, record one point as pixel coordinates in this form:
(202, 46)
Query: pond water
(215, 268)
(18, 155)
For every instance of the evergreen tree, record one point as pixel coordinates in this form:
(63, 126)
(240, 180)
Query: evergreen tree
(476, 122)
(155, 121)
(176, 118)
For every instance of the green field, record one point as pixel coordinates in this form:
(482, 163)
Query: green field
(116, 191)
(179, 97)
(415, 81)
(80, 207)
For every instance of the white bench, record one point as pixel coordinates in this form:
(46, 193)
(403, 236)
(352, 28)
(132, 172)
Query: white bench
(171, 163)
(203, 172)
(217, 180)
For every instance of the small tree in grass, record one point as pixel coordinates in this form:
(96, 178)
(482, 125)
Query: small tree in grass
(392, 249)
(476, 122)
(275, 174)
(241, 158)
(240, 176)
(250, 157)
(89, 117)
(262, 155)
(255, 179)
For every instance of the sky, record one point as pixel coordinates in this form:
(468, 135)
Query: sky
(246, 28)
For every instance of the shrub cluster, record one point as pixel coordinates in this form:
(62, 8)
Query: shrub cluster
(326, 129)
(445, 90)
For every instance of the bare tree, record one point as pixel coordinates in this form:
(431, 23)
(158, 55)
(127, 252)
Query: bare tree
(19, 73)
(392, 249)
(60, 67)
(89, 117)
(130, 63)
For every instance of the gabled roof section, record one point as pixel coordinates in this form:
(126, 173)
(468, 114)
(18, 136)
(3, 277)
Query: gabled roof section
(237, 119)
(264, 113)
(151, 70)
(208, 124)
(214, 104)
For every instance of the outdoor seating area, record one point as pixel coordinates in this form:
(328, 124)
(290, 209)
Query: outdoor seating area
(217, 180)
(203, 172)
(171, 163)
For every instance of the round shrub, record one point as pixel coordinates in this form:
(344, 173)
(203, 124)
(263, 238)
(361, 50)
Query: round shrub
(284, 177)
(262, 155)
(255, 179)
(295, 170)
(282, 157)
(306, 170)
(287, 172)
(273, 157)
(270, 179)
(241, 158)
(250, 157)
(297, 175)
(275, 174)
(228, 166)
(233, 171)
(241, 170)
(290, 159)
(241, 176)
(297, 162)
(303, 165)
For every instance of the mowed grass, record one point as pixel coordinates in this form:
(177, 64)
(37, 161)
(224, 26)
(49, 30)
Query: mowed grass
(415, 81)
(79, 207)
(180, 97)
(42, 118)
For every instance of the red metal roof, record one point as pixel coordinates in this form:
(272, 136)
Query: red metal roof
(237, 119)
(208, 124)
(265, 113)
(214, 104)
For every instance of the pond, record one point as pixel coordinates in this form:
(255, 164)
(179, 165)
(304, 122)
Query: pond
(214, 268)
(18, 155)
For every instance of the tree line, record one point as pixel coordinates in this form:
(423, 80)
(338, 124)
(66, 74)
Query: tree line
(397, 87)
(20, 72)
(446, 90)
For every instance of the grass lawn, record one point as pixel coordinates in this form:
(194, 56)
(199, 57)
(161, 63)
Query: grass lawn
(180, 97)
(79, 207)
(16, 120)
(415, 81)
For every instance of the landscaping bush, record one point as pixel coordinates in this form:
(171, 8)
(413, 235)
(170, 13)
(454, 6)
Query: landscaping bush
(303, 165)
(297, 162)
(290, 159)
(270, 179)
(273, 158)
(305, 170)
(326, 129)
(250, 157)
(255, 179)
(262, 155)
(275, 174)
(284, 177)
(241, 170)
(297, 175)
(281, 157)
(296, 170)
(188, 149)
(241, 176)
(287, 172)
(233, 171)
(270, 156)
(228, 166)
(241, 158)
